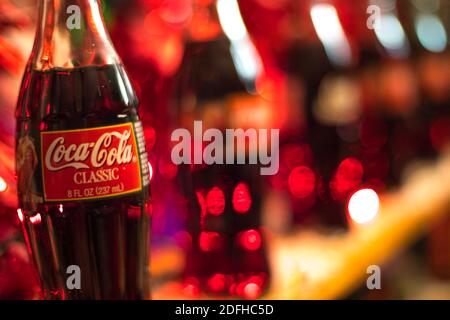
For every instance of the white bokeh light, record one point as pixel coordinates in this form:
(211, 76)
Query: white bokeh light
(329, 30)
(3, 185)
(363, 206)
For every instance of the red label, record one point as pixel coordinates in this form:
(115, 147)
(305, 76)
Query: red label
(90, 163)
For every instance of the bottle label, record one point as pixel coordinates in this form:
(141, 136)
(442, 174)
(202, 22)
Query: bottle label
(91, 163)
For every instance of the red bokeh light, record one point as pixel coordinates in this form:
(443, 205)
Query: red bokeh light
(202, 203)
(252, 291)
(242, 199)
(217, 283)
(302, 182)
(215, 201)
(248, 287)
(210, 241)
(191, 287)
(291, 156)
(150, 137)
(348, 176)
(250, 240)
(176, 12)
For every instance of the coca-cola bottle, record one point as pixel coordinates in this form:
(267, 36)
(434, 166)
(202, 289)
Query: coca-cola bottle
(82, 166)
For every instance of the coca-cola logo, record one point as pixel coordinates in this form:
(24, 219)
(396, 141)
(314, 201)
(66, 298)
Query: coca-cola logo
(111, 148)
(92, 163)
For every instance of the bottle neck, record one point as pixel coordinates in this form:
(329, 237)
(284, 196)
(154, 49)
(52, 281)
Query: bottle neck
(204, 25)
(71, 33)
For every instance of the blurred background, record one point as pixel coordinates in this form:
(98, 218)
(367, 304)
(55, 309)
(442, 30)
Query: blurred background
(360, 91)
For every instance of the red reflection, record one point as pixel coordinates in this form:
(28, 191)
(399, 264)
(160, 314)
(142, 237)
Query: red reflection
(250, 240)
(133, 212)
(210, 241)
(242, 200)
(301, 182)
(150, 137)
(202, 203)
(149, 209)
(348, 176)
(215, 201)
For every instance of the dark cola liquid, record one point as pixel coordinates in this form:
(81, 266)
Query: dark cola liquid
(107, 239)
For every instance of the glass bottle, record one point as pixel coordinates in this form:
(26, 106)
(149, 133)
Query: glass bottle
(81, 161)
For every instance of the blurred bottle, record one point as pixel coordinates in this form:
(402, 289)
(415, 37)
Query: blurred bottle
(391, 132)
(323, 60)
(216, 84)
(377, 113)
